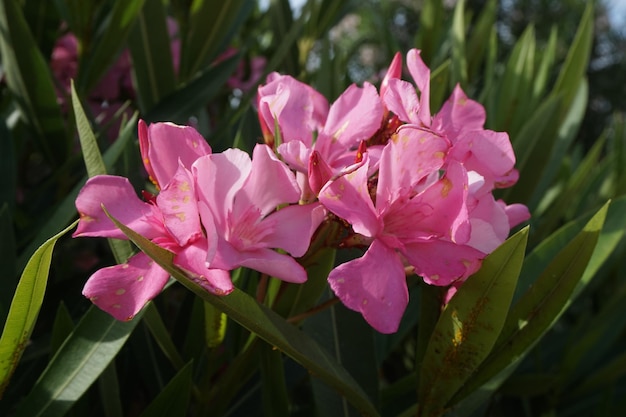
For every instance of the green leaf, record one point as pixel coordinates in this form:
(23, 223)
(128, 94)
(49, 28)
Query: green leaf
(66, 211)
(512, 92)
(273, 386)
(61, 328)
(173, 401)
(479, 38)
(431, 28)
(7, 261)
(576, 61)
(151, 53)
(181, 104)
(211, 25)
(25, 308)
(469, 326)
(457, 36)
(157, 328)
(30, 81)
(268, 325)
(112, 32)
(89, 145)
(214, 325)
(540, 307)
(83, 357)
(350, 339)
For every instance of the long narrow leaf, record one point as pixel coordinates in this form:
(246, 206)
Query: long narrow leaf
(469, 326)
(541, 306)
(266, 324)
(174, 399)
(30, 81)
(25, 308)
(83, 357)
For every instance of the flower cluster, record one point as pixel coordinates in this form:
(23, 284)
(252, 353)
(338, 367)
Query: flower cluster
(413, 190)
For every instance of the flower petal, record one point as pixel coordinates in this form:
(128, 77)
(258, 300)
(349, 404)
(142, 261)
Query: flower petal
(274, 264)
(163, 144)
(421, 75)
(401, 98)
(192, 260)
(119, 198)
(459, 114)
(355, 116)
(374, 285)
(269, 184)
(123, 290)
(179, 206)
(293, 227)
(218, 178)
(441, 263)
(414, 154)
(348, 197)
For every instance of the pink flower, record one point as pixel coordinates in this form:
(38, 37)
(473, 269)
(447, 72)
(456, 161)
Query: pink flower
(171, 220)
(417, 218)
(241, 210)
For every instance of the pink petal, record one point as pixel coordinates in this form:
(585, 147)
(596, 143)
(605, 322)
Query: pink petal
(516, 213)
(119, 198)
(295, 154)
(179, 206)
(218, 178)
(413, 155)
(163, 144)
(441, 262)
(421, 75)
(348, 197)
(269, 184)
(393, 72)
(319, 172)
(401, 98)
(355, 116)
(374, 285)
(490, 224)
(123, 290)
(192, 260)
(293, 227)
(274, 264)
(487, 152)
(447, 198)
(298, 108)
(459, 114)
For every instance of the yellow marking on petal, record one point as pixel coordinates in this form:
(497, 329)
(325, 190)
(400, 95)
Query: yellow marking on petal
(447, 186)
(181, 216)
(86, 218)
(175, 207)
(439, 154)
(194, 143)
(365, 302)
(342, 129)
(120, 291)
(93, 299)
(434, 277)
(184, 186)
(186, 199)
(139, 279)
(125, 266)
(341, 280)
(116, 306)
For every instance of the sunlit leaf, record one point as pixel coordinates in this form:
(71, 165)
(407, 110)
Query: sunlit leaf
(539, 308)
(25, 308)
(269, 326)
(469, 326)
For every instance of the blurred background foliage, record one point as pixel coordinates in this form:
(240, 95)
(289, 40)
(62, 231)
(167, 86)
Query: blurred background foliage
(551, 73)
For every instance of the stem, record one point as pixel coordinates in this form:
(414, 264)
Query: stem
(261, 290)
(318, 308)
